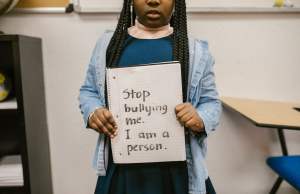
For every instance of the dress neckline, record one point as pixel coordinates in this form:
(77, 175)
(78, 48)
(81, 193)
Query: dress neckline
(139, 31)
(148, 39)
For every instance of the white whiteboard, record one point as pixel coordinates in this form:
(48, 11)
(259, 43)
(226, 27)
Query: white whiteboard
(114, 6)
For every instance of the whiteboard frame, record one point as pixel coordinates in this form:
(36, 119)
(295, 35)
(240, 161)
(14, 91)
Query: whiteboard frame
(212, 7)
(113, 10)
(209, 6)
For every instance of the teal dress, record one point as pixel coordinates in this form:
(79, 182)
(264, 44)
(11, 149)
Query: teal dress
(148, 178)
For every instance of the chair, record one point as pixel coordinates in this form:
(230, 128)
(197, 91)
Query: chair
(288, 169)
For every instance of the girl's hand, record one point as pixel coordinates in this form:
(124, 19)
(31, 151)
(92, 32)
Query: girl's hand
(102, 121)
(187, 116)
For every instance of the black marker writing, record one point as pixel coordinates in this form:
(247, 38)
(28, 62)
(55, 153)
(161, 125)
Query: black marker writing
(149, 109)
(127, 133)
(144, 147)
(136, 94)
(133, 121)
(166, 134)
(144, 135)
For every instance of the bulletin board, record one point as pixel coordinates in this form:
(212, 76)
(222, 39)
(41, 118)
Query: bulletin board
(42, 3)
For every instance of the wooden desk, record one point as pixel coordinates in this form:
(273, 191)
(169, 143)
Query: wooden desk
(270, 114)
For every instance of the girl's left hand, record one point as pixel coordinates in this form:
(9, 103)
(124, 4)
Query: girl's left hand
(187, 116)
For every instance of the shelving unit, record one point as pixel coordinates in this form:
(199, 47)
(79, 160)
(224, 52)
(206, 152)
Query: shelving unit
(23, 124)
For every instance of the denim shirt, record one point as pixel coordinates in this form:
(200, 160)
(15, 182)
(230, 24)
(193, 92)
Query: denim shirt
(202, 94)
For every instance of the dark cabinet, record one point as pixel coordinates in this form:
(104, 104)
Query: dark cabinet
(23, 123)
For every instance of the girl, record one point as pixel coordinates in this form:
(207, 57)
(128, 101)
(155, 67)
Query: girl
(151, 31)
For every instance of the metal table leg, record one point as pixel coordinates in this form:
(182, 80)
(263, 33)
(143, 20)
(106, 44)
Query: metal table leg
(282, 142)
(284, 153)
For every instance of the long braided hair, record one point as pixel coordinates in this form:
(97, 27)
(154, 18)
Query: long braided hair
(180, 38)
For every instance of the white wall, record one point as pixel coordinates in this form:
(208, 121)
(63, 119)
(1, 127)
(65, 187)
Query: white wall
(257, 56)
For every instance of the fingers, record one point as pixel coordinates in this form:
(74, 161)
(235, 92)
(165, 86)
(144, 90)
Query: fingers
(182, 106)
(179, 107)
(100, 126)
(107, 114)
(190, 124)
(195, 125)
(103, 121)
(111, 125)
(184, 112)
(186, 117)
(94, 126)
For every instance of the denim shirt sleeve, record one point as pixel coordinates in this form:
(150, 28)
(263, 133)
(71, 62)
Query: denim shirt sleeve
(209, 106)
(89, 98)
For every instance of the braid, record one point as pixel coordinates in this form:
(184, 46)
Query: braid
(133, 16)
(181, 44)
(180, 39)
(115, 46)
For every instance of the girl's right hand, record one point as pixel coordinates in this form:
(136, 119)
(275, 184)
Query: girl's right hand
(102, 121)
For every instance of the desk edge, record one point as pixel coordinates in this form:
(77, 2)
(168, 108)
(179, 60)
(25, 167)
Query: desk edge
(261, 124)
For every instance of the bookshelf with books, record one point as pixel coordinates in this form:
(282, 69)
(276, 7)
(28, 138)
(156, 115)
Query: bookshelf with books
(24, 143)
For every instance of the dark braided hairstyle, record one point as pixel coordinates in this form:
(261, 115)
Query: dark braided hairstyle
(180, 39)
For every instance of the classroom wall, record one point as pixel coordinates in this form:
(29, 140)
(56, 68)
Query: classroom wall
(257, 56)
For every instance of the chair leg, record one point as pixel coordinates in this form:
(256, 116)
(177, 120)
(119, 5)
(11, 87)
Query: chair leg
(276, 185)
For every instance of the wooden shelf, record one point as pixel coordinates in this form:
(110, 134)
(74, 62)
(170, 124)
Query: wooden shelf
(12, 190)
(11, 171)
(54, 10)
(9, 104)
